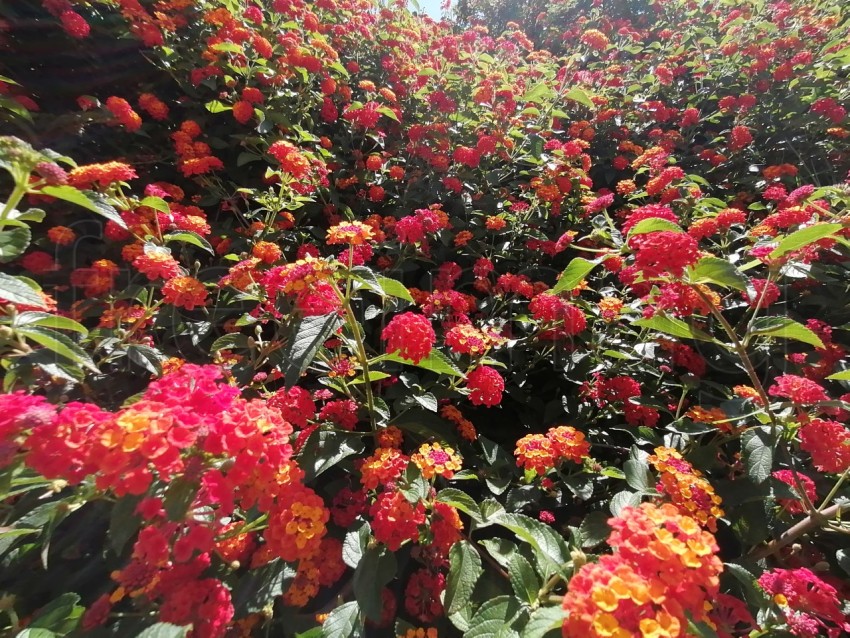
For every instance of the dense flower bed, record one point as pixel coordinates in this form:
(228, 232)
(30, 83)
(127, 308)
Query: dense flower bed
(328, 319)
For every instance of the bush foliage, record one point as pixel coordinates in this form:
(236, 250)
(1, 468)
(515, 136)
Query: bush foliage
(327, 319)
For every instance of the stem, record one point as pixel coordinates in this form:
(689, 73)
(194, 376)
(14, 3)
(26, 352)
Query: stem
(835, 489)
(809, 524)
(14, 199)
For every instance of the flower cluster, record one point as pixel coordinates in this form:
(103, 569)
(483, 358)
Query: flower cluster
(664, 569)
(686, 487)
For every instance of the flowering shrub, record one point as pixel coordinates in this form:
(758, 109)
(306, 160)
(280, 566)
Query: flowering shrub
(328, 319)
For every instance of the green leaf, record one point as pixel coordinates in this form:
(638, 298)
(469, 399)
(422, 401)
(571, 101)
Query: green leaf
(178, 497)
(31, 318)
(146, 357)
(87, 199)
(60, 615)
(638, 475)
(623, 499)
(523, 578)
(538, 94)
(157, 203)
(13, 243)
(217, 106)
(33, 215)
(324, 449)
(549, 547)
(674, 327)
(844, 375)
(355, 543)
(543, 621)
(434, 362)
(165, 630)
(412, 485)
(35, 632)
(343, 622)
(803, 237)
(464, 572)
(186, 237)
(594, 529)
(309, 336)
(714, 270)
(393, 288)
(580, 96)
(573, 274)
(758, 454)
(17, 290)
(58, 343)
(785, 328)
(460, 500)
(842, 557)
(124, 523)
(229, 342)
(495, 617)
(260, 587)
(388, 112)
(654, 225)
(376, 569)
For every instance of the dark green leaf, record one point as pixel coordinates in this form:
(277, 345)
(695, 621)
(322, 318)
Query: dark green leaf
(524, 580)
(165, 630)
(13, 243)
(376, 569)
(308, 338)
(50, 321)
(464, 571)
(58, 343)
(594, 529)
(549, 547)
(343, 622)
(758, 454)
(460, 500)
(260, 587)
(124, 523)
(178, 497)
(16, 290)
(60, 615)
(543, 621)
(326, 448)
(355, 543)
(638, 475)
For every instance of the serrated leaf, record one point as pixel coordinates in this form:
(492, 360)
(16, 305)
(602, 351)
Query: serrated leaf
(538, 94)
(594, 529)
(434, 362)
(13, 243)
(461, 501)
(376, 569)
(146, 357)
(785, 328)
(394, 288)
(654, 225)
(343, 622)
(308, 338)
(464, 572)
(186, 237)
(157, 203)
(87, 199)
(524, 580)
(324, 449)
(674, 327)
(165, 630)
(549, 547)
(573, 274)
(58, 343)
(804, 237)
(260, 587)
(355, 543)
(623, 499)
(230, 341)
(16, 291)
(758, 454)
(580, 95)
(638, 475)
(543, 621)
(47, 320)
(717, 271)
